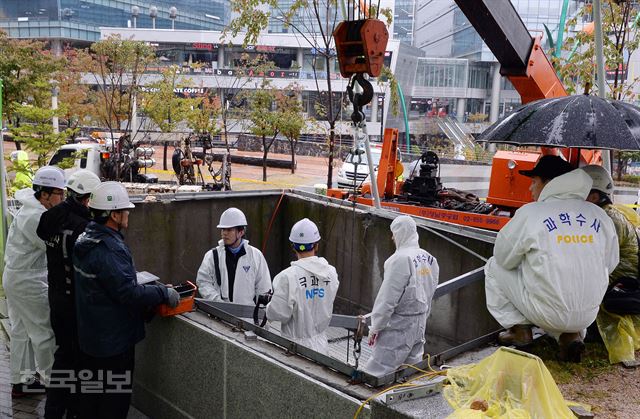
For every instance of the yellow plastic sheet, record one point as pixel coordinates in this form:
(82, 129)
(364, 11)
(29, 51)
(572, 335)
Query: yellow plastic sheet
(620, 334)
(507, 384)
(629, 214)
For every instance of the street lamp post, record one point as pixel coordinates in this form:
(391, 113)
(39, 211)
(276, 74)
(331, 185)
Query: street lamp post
(135, 11)
(173, 14)
(597, 19)
(55, 90)
(3, 187)
(153, 12)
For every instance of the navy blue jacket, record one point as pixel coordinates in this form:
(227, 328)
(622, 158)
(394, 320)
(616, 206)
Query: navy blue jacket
(109, 302)
(59, 228)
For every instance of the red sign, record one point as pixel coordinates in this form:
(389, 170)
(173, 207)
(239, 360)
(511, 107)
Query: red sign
(202, 45)
(265, 48)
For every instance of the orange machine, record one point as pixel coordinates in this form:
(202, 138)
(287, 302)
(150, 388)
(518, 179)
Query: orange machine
(524, 63)
(397, 197)
(187, 293)
(360, 45)
(507, 187)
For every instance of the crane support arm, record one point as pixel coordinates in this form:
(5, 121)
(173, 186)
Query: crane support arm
(521, 57)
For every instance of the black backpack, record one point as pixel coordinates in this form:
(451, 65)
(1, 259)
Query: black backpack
(625, 299)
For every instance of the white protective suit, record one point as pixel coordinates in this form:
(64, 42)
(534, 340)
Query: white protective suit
(252, 276)
(302, 301)
(26, 286)
(403, 303)
(551, 262)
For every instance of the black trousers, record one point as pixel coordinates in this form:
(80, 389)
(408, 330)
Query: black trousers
(105, 385)
(62, 393)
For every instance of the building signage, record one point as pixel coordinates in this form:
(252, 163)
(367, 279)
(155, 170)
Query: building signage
(272, 74)
(265, 48)
(261, 48)
(203, 45)
(182, 91)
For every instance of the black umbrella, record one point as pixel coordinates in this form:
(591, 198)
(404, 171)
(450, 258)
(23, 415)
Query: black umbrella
(579, 121)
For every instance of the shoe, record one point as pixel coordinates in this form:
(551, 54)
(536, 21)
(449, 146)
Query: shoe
(571, 347)
(593, 334)
(518, 335)
(22, 390)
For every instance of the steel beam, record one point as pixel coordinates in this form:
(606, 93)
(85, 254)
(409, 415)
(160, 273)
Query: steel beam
(458, 282)
(235, 314)
(501, 28)
(245, 311)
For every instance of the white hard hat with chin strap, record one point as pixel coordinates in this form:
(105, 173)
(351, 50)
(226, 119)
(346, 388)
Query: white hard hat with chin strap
(232, 217)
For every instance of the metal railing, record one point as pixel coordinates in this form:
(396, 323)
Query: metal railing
(236, 314)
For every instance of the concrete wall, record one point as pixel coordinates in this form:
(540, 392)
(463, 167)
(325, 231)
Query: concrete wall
(186, 370)
(170, 238)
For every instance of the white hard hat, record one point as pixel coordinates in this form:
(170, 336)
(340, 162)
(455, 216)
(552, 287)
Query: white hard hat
(110, 196)
(49, 176)
(83, 181)
(602, 180)
(232, 217)
(304, 231)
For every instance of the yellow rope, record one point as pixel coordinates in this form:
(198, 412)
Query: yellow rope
(409, 383)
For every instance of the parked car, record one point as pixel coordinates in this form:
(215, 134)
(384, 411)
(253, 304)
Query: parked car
(355, 169)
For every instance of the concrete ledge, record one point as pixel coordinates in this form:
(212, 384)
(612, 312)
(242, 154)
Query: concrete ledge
(186, 370)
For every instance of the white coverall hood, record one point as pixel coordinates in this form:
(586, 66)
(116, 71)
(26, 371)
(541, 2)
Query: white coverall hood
(551, 262)
(25, 282)
(573, 185)
(403, 303)
(316, 265)
(405, 232)
(302, 301)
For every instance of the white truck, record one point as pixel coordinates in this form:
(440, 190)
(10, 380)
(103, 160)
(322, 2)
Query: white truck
(101, 160)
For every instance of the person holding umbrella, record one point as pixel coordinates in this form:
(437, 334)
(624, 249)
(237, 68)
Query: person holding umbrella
(552, 261)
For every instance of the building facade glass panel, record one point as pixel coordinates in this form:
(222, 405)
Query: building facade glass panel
(192, 14)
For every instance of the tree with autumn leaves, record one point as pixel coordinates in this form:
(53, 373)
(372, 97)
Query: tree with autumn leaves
(577, 67)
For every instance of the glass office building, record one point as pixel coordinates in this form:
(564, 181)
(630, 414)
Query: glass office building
(79, 21)
(403, 20)
(442, 31)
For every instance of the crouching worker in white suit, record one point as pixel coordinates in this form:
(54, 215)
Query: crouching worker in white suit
(303, 294)
(400, 312)
(551, 262)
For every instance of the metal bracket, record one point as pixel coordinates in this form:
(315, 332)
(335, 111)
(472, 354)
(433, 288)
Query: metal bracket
(405, 394)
